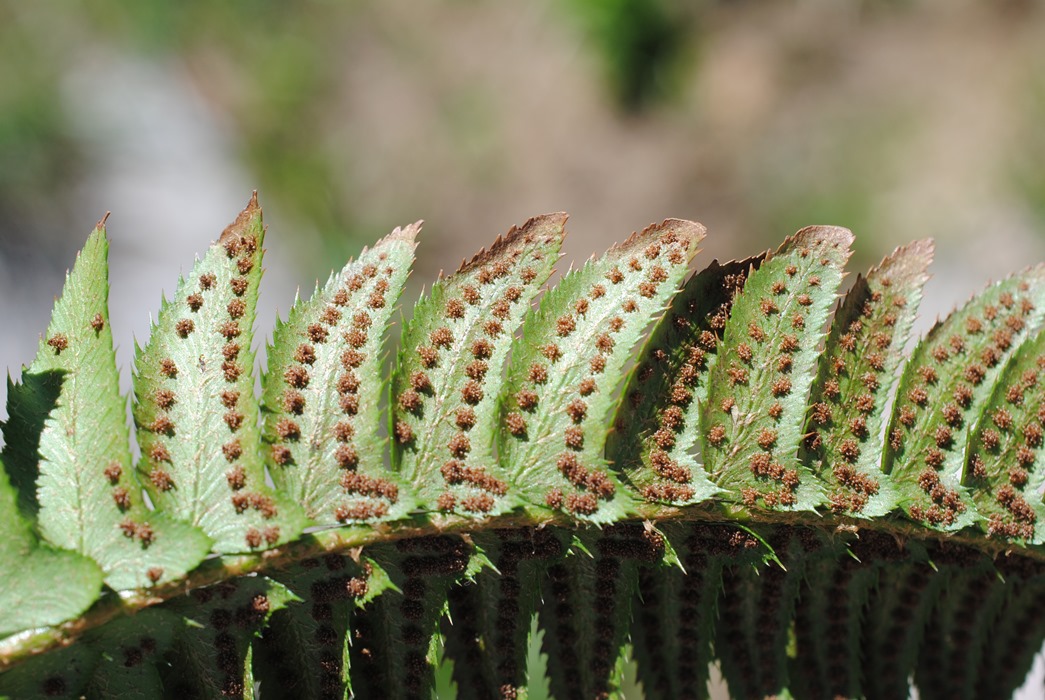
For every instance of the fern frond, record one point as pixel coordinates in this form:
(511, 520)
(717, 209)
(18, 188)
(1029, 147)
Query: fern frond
(675, 610)
(749, 506)
(943, 392)
(656, 439)
(568, 362)
(1003, 471)
(52, 585)
(450, 371)
(896, 618)
(855, 380)
(756, 611)
(488, 633)
(958, 630)
(211, 655)
(321, 395)
(195, 407)
(303, 653)
(88, 497)
(395, 647)
(751, 426)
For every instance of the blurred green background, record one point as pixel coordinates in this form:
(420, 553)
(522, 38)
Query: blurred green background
(897, 118)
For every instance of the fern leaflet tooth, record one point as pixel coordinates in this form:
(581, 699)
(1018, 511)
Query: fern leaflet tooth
(856, 375)
(323, 387)
(195, 408)
(751, 426)
(87, 496)
(943, 393)
(568, 361)
(450, 370)
(656, 428)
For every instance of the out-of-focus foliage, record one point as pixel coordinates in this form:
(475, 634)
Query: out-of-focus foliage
(641, 44)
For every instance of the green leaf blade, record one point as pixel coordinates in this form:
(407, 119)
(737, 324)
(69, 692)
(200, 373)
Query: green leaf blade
(752, 424)
(655, 441)
(321, 394)
(88, 496)
(855, 380)
(589, 323)
(943, 390)
(592, 590)
(131, 652)
(488, 630)
(42, 585)
(210, 657)
(675, 611)
(450, 371)
(1004, 472)
(395, 644)
(304, 651)
(195, 406)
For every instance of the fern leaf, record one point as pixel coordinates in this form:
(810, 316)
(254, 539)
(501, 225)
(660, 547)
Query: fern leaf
(88, 498)
(130, 655)
(943, 391)
(303, 653)
(119, 660)
(450, 374)
(896, 618)
(755, 613)
(395, 646)
(210, 657)
(830, 613)
(41, 585)
(1017, 636)
(195, 406)
(488, 631)
(675, 609)
(568, 361)
(323, 387)
(1003, 471)
(855, 380)
(587, 609)
(655, 439)
(751, 426)
(63, 673)
(958, 632)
